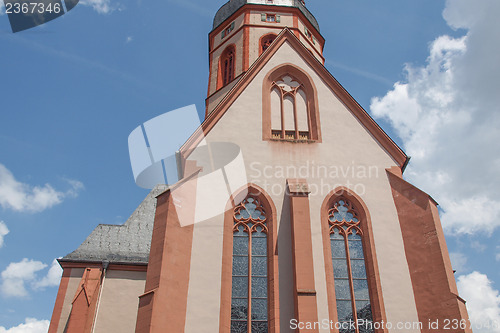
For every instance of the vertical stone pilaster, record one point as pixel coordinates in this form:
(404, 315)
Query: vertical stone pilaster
(306, 309)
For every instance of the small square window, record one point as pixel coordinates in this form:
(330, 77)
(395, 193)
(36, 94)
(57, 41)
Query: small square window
(227, 31)
(272, 18)
(310, 36)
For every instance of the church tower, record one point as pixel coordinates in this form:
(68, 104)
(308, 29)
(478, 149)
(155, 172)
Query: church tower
(244, 29)
(323, 235)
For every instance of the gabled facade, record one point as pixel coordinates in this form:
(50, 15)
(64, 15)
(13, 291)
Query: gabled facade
(326, 231)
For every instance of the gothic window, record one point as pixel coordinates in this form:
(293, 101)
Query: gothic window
(249, 298)
(227, 63)
(289, 110)
(266, 41)
(352, 292)
(290, 106)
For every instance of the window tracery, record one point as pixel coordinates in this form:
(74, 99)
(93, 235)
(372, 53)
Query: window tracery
(289, 110)
(249, 300)
(227, 64)
(349, 270)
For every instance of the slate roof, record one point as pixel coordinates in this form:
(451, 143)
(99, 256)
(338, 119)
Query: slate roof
(129, 243)
(232, 7)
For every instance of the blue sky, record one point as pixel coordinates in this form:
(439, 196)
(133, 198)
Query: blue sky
(73, 89)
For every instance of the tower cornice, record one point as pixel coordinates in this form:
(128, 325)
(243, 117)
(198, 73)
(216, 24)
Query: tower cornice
(233, 6)
(237, 43)
(250, 7)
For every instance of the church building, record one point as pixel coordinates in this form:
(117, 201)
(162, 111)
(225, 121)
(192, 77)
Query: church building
(325, 235)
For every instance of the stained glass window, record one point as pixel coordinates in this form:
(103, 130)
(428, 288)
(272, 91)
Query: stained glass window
(349, 271)
(249, 303)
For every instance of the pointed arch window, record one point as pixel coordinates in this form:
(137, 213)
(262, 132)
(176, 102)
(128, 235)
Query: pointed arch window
(290, 106)
(227, 66)
(352, 292)
(249, 298)
(266, 41)
(289, 111)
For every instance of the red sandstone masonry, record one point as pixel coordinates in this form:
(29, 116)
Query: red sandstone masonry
(164, 303)
(306, 308)
(431, 273)
(81, 318)
(61, 294)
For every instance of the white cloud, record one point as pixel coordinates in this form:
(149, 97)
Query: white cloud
(100, 6)
(76, 187)
(53, 277)
(3, 232)
(478, 246)
(23, 197)
(31, 325)
(483, 302)
(448, 113)
(16, 275)
(498, 254)
(129, 39)
(458, 261)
